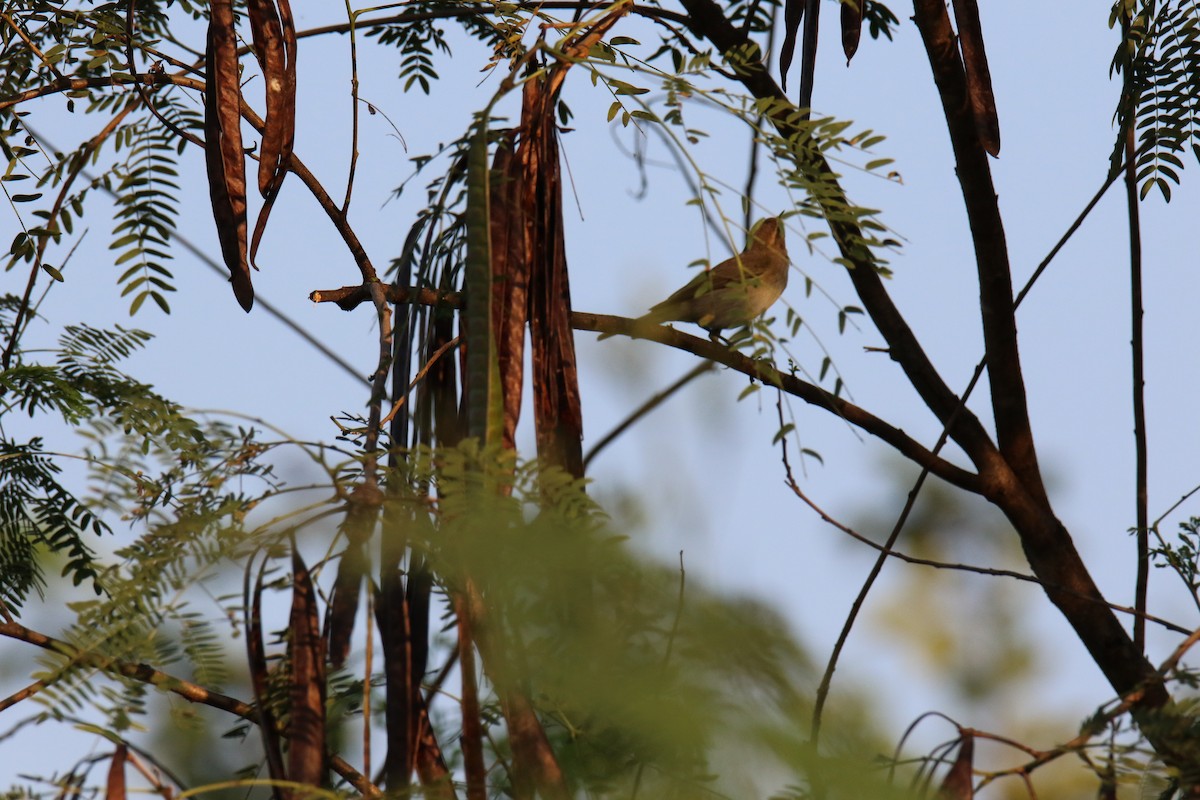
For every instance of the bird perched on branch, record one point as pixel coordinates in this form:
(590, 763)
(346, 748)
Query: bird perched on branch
(733, 292)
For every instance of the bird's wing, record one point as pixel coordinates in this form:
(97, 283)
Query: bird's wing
(701, 284)
(732, 271)
(739, 269)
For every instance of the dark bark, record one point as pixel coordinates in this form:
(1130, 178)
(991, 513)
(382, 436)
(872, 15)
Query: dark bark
(1010, 475)
(708, 20)
(558, 414)
(1013, 432)
(510, 279)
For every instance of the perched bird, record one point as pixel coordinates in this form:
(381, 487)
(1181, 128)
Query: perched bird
(735, 291)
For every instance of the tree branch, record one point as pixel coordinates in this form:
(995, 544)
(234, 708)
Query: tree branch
(1017, 488)
(706, 19)
(1013, 432)
(349, 297)
(189, 691)
(769, 375)
(468, 10)
(339, 220)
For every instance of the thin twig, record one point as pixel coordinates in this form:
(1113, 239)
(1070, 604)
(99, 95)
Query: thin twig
(383, 315)
(823, 690)
(1186, 496)
(141, 90)
(189, 691)
(33, 48)
(76, 169)
(353, 16)
(1178, 653)
(153, 771)
(1094, 725)
(752, 170)
(1138, 366)
(885, 550)
(877, 567)
(912, 726)
(368, 657)
(645, 408)
(270, 308)
(23, 694)
(420, 374)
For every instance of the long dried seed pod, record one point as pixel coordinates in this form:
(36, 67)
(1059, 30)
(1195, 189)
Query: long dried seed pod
(959, 781)
(793, 14)
(256, 659)
(223, 148)
(274, 35)
(853, 12)
(306, 724)
(115, 786)
(979, 77)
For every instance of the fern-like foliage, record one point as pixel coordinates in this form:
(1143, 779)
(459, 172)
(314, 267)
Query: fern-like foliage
(755, 16)
(416, 41)
(37, 512)
(419, 34)
(1183, 555)
(202, 646)
(187, 491)
(1160, 57)
(593, 628)
(58, 43)
(53, 33)
(146, 214)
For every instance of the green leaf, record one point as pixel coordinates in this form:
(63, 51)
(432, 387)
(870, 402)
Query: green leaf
(623, 88)
(602, 52)
(782, 432)
(749, 390)
(134, 253)
(482, 368)
(1165, 188)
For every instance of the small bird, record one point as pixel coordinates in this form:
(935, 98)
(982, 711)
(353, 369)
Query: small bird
(735, 291)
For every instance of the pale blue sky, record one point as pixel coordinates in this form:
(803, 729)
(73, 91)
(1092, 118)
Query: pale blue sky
(702, 467)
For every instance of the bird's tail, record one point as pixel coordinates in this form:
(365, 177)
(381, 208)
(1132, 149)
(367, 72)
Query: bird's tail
(642, 322)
